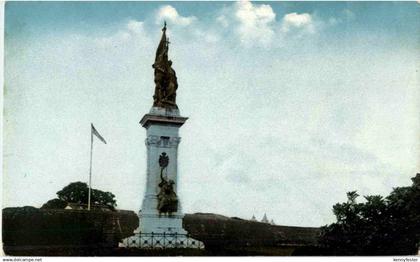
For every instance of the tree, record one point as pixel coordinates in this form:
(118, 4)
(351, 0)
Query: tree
(404, 206)
(103, 198)
(77, 192)
(380, 226)
(54, 204)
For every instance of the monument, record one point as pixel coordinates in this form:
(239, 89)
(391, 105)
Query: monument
(161, 214)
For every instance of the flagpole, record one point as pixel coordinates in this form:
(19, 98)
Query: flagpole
(90, 170)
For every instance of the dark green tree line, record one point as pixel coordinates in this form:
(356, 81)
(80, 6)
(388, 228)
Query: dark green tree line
(379, 226)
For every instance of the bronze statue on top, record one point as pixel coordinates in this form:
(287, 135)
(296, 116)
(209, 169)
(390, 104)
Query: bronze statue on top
(165, 77)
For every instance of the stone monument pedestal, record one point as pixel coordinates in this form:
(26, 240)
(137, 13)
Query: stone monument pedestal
(162, 125)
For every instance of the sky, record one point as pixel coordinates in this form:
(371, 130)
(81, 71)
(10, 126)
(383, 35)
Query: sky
(290, 104)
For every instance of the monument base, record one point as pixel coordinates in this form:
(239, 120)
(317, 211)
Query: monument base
(161, 241)
(161, 231)
(152, 223)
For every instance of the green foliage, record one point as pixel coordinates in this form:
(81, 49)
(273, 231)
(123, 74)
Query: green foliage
(54, 204)
(77, 192)
(380, 226)
(103, 198)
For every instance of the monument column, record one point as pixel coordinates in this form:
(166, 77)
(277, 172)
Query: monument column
(161, 215)
(161, 211)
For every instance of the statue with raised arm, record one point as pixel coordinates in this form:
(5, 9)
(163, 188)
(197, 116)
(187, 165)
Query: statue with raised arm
(165, 77)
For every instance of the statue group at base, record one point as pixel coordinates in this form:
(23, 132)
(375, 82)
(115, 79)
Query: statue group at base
(167, 199)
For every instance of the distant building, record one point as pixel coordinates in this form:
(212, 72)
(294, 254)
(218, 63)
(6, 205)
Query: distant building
(264, 219)
(272, 222)
(253, 218)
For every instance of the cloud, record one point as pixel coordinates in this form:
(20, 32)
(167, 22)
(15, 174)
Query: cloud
(348, 14)
(131, 31)
(332, 21)
(255, 22)
(222, 19)
(135, 26)
(295, 21)
(171, 15)
(345, 17)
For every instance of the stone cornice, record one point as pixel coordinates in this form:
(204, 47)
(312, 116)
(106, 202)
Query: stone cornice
(150, 119)
(160, 141)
